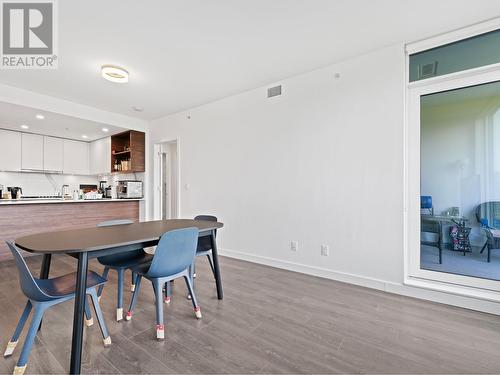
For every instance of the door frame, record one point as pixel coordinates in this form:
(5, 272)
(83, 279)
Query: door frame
(413, 275)
(157, 178)
(411, 158)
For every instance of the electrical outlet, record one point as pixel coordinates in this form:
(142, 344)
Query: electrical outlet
(325, 250)
(294, 245)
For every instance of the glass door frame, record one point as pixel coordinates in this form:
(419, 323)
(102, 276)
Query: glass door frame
(414, 275)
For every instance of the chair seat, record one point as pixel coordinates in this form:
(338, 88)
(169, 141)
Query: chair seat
(203, 253)
(124, 261)
(495, 243)
(141, 269)
(66, 285)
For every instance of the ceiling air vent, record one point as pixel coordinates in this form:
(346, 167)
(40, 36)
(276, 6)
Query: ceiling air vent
(427, 70)
(274, 91)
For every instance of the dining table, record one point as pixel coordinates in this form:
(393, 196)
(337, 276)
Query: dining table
(89, 243)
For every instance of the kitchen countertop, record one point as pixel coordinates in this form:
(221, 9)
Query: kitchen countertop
(60, 201)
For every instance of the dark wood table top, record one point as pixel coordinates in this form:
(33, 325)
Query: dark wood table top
(101, 238)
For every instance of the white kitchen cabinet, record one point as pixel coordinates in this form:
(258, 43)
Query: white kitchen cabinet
(53, 152)
(100, 156)
(31, 152)
(76, 157)
(10, 150)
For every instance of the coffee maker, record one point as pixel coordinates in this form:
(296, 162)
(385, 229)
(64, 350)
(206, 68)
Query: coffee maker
(15, 192)
(102, 186)
(1, 191)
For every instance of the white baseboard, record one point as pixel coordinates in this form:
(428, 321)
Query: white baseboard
(390, 287)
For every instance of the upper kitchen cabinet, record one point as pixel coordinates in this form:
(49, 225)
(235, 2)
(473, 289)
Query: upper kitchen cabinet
(128, 152)
(100, 156)
(10, 150)
(31, 152)
(53, 153)
(76, 157)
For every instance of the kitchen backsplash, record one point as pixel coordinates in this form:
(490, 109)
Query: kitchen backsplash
(50, 184)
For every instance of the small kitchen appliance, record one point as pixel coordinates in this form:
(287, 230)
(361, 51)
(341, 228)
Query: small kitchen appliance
(88, 188)
(15, 192)
(129, 189)
(102, 186)
(107, 192)
(1, 191)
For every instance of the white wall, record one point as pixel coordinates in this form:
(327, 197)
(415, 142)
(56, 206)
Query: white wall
(322, 164)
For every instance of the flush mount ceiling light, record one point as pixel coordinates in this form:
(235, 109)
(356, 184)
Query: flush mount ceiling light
(24, 126)
(105, 130)
(40, 117)
(137, 108)
(114, 73)
(84, 136)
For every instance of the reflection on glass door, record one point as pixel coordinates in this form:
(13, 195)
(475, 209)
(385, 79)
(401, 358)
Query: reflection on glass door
(460, 181)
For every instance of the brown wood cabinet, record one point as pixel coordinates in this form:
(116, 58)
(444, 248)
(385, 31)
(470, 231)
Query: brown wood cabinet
(128, 152)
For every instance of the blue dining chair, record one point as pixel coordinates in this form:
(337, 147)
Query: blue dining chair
(204, 248)
(173, 257)
(43, 294)
(120, 263)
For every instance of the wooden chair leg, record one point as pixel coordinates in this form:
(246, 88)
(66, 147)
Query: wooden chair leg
(484, 247)
(132, 285)
(119, 303)
(197, 310)
(191, 277)
(211, 263)
(168, 291)
(30, 338)
(160, 327)
(134, 297)
(104, 276)
(89, 321)
(106, 338)
(17, 332)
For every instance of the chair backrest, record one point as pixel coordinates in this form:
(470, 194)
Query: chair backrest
(28, 283)
(205, 243)
(174, 253)
(488, 214)
(120, 256)
(425, 201)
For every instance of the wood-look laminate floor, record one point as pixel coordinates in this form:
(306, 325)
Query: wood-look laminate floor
(270, 321)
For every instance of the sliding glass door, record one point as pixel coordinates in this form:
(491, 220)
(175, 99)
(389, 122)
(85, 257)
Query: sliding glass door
(454, 180)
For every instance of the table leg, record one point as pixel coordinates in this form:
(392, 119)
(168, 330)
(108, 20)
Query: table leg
(215, 256)
(81, 286)
(44, 272)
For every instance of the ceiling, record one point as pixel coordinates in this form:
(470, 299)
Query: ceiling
(181, 54)
(12, 116)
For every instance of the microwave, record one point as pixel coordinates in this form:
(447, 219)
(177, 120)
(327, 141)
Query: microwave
(129, 189)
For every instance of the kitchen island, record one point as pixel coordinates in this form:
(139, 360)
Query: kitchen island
(24, 217)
